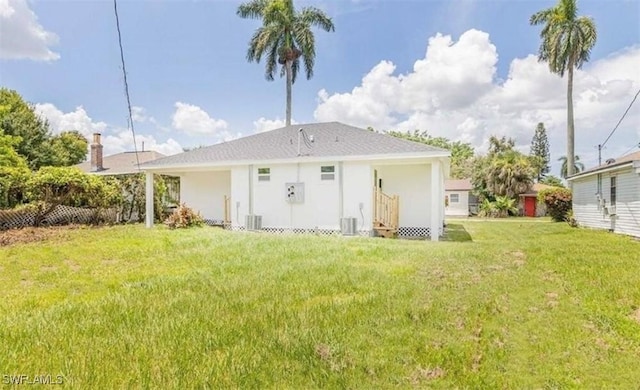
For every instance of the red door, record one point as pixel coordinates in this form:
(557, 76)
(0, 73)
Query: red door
(530, 206)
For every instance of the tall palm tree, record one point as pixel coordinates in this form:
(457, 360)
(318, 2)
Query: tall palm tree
(284, 37)
(567, 40)
(577, 166)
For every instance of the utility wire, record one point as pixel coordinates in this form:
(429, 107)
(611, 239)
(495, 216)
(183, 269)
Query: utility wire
(630, 149)
(126, 84)
(620, 121)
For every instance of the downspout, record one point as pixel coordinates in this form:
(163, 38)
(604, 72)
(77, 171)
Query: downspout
(340, 192)
(250, 190)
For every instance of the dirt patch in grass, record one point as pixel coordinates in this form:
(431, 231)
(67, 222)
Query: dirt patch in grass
(519, 258)
(635, 315)
(75, 267)
(426, 374)
(32, 234)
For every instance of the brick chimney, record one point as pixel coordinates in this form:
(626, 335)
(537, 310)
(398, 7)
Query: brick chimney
(96, 154)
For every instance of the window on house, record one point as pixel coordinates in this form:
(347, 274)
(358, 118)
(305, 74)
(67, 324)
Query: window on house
(612, 201)
(454, 198)
(328, 172)
(264, 174)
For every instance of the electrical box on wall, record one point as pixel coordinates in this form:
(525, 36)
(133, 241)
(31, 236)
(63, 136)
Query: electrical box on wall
(294, 192)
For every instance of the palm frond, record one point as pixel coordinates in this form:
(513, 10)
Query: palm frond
(306, 42)
(272, 61)
(313, 16)
(252, 10)
(295, 67)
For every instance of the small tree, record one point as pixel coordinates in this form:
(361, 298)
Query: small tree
(558, 202)
(540, 149)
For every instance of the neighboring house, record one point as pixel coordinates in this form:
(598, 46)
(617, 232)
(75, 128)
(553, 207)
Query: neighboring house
(528, 204)
(457, 196)
(124, 163)
(608, 196)
(324, 178)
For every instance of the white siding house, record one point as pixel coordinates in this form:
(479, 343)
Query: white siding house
(608, 197)
(315, 178)
(457, 197)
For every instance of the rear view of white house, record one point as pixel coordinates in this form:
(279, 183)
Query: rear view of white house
(608, 196)
(324, 177)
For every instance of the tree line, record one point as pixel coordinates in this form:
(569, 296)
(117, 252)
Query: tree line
(37, 173)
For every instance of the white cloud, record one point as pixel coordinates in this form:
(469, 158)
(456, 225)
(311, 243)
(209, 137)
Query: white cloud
(122, 141)
(263, 124)
(454, 92)
(193, 120)
(115, 140)
(75, 120)
(139, 114)
(21, 36)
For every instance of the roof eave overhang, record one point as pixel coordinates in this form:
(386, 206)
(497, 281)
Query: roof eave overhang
(603, 170)
(301, 159)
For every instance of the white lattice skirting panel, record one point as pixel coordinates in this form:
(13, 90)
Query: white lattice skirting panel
(414, 232)
(317, 232)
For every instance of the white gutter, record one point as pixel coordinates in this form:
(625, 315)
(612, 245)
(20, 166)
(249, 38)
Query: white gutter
(302, 159)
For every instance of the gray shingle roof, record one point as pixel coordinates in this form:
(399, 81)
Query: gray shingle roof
(330, 139)
(635, 156)
(122, 163)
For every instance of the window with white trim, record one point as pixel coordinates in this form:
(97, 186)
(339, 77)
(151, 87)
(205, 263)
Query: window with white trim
(612, 200)
(328, 172)
(454, 198)
(264, 174)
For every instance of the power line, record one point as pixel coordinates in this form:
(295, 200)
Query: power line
(126, 84)
(630, 149)
(620, 121)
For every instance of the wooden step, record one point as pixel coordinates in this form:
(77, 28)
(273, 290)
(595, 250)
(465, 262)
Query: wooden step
(386, 232)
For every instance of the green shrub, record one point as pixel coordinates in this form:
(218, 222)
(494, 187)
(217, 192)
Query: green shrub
(133, 202)
(505, 206)
(558, 202)
(487, 209)
(12, 186)
(184, 217)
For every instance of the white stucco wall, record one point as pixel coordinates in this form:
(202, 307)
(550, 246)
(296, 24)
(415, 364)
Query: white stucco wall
(412, 183)
(460, 209)
(205, 192)
(358, 189)
(239, 194)
(321, 209)
(588, 213)
(321, 206)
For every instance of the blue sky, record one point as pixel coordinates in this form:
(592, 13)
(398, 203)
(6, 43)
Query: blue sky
(191, 84)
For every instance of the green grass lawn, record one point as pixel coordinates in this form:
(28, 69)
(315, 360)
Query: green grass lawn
(502, 305)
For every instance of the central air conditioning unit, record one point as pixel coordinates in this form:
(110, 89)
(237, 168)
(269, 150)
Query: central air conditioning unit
(349, 226)
(253, 222)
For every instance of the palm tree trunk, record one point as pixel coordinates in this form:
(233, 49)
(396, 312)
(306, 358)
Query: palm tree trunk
(287, 67)
(570, 126)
